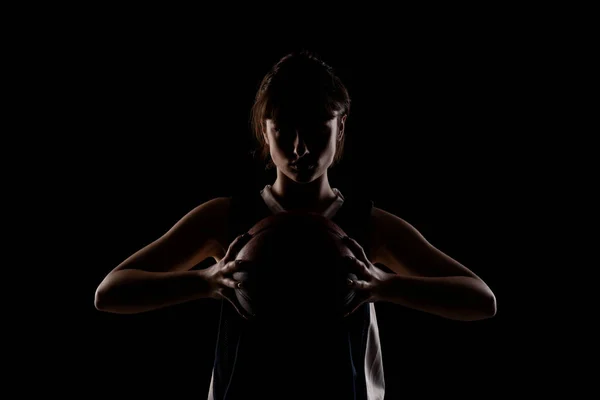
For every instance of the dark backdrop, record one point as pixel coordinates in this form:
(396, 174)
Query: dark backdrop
(160, 125)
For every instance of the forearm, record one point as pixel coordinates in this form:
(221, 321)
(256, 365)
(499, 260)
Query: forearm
(132, 291)
(458, 297)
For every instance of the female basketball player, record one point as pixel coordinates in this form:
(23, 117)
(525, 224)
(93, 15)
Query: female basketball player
(299, 120)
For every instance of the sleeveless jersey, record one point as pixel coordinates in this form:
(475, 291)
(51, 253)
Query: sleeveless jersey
(240, 373)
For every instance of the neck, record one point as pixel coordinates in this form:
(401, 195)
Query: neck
(316, 195)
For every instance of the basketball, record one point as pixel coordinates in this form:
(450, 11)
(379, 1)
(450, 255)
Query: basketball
(297, 268)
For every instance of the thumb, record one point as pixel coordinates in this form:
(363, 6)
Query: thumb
(357, 284)
(235, 246)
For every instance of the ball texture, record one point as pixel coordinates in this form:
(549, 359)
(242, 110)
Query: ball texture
(297, 268)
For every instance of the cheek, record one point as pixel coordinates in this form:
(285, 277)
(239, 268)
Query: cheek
(276, 151)
(330, 149)
(334, 142)
(281, 149)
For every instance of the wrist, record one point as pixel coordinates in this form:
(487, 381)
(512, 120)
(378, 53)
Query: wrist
(386, 287)
(202, 284)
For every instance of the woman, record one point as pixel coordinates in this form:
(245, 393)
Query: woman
(299, 118)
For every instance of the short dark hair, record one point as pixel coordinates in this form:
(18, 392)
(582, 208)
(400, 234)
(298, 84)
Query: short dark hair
(298, 75)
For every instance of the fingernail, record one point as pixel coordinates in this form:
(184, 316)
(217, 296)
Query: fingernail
(349, 282)
(239, 285)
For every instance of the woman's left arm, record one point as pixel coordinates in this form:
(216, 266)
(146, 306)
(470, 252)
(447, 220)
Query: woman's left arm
(423, 278)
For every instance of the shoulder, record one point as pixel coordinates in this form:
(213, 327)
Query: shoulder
(385, 220)
(388, 228)
(210, 218)
(212, 210)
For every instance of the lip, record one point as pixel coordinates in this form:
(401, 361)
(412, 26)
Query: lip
(303, 167)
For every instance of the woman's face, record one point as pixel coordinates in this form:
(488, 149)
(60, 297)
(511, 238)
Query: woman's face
(303, 149)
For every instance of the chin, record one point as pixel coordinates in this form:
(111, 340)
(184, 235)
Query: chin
(303, 176)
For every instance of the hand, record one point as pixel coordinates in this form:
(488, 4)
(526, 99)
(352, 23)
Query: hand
(220, 275)
(370, 278)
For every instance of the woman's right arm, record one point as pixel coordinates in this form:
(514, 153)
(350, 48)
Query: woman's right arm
(160, 274)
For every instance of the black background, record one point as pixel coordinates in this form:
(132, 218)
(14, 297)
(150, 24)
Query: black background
(156, 121)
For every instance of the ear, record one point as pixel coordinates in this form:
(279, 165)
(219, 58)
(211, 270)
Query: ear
(341, 127)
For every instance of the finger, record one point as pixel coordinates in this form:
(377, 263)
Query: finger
(357, 249)
(235, 246)
(231, 283)
(358, 285)
(358, 267)
(233, 266)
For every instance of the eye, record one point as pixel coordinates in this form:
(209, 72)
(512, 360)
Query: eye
(282, 130)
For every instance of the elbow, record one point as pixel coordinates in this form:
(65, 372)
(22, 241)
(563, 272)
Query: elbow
(493, 306)
(483, 306)
(488, 305)
(107, 296)
(100, 299)
(485, 309)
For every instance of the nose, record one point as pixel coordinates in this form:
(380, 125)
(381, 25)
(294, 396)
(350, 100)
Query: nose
(300, 148)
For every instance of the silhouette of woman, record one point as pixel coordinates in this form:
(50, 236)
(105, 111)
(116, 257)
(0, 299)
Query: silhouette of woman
(298, 119)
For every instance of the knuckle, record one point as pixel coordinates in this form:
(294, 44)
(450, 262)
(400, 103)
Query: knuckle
(243, 236)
